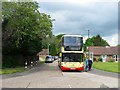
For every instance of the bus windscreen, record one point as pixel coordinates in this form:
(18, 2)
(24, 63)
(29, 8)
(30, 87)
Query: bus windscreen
(73, 41)
(72, 57)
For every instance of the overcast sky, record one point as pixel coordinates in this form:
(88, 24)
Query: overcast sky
(75, 17)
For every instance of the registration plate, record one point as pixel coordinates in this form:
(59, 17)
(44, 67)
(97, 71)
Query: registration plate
(72, 68)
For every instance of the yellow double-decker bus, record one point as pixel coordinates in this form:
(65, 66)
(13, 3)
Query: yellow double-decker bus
(71, 53)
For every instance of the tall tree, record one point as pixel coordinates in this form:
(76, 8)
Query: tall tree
(95, 41)
(54, 41)
(23, 23)
(24, 28)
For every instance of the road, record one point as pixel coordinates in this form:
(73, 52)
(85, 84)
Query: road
(48, 75)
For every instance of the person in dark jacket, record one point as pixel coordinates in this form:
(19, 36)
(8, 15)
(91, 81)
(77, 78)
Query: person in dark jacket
(90, 64)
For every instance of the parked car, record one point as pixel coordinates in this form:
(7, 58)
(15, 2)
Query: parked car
(48, 59)
(56, 57)
(53, 58)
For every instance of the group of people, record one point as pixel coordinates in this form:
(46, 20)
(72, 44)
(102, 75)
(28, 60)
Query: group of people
(88, 64)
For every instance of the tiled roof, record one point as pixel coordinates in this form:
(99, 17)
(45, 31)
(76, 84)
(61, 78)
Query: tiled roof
(99, 50)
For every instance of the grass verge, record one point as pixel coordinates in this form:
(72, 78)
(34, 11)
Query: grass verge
(107, 66)
(11, 70)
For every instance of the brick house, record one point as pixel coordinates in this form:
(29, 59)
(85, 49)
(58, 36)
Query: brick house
(42, 55)
(106, 53)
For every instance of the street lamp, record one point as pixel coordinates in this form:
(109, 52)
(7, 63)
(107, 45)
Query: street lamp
(47, 36)
(48, 48)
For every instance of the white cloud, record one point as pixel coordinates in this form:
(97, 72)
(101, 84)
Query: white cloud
(77, 17)
(77, 1)
(112, 40)
(85, 38)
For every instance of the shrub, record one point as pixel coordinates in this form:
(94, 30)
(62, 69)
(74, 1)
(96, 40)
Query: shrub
(8, 62)
(111, 60)
(100, 59)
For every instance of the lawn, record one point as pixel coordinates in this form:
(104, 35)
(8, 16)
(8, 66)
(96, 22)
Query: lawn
(107, 66)
(11, 70)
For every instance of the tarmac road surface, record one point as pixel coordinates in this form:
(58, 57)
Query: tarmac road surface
(48, 75)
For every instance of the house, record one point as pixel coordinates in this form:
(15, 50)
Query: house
(42, 55)
(106, 53)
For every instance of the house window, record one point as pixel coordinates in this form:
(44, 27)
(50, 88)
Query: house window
(104, 57)
(115, 57)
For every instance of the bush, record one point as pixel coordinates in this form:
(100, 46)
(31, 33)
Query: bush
(111, 60)
(8, 62)
(11, 61)
(100, 59)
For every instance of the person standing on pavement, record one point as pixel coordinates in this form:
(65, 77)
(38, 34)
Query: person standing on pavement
(90, 64)
(86, 64)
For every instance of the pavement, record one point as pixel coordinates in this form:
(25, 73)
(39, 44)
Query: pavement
(103, 73)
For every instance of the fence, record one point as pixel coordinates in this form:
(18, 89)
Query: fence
(31, 61)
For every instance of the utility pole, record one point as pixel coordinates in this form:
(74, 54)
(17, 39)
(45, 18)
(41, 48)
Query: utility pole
(88, 50)
(48, 49)
(88, 33)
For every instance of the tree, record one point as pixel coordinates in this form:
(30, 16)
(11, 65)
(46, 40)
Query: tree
(58, 38)
(118, 45)
(53, 41)
(53, 49)
(95, 41)
(24, 28)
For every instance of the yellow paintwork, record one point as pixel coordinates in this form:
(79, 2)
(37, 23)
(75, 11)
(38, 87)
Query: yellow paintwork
(72, 52)
(62, 49)
(60, 54)
(72, 64)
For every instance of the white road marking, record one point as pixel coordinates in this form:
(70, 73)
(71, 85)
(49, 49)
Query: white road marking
(69, 86)
(28, 85)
